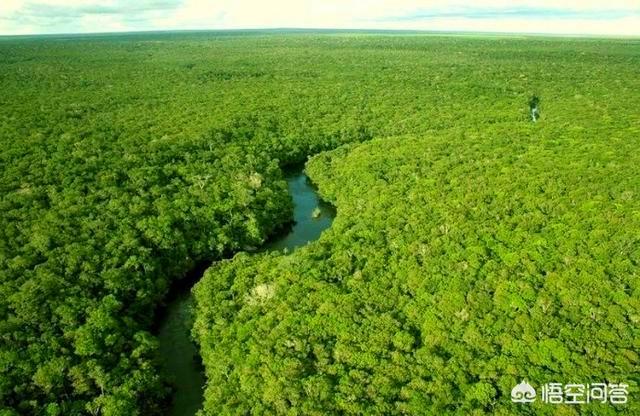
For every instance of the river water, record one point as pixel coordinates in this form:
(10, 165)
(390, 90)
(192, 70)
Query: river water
(181, 361)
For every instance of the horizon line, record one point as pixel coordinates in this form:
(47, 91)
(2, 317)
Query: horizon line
(320, 29)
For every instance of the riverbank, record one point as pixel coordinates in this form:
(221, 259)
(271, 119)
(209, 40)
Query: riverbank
(181, 361)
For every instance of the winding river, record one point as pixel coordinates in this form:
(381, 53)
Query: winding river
(181, 361)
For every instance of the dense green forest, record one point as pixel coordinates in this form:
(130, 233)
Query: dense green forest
(472, 247)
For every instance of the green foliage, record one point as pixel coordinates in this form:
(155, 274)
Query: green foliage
(473, 264)
(462, 260)
(459, 254)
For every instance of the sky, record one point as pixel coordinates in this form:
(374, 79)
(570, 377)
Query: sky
(595, 17)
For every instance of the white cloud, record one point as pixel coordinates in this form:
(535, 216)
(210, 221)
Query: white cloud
(619, 17)
(619, 27)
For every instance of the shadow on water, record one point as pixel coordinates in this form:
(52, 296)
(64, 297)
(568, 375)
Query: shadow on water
(308, 223)
(181, 362)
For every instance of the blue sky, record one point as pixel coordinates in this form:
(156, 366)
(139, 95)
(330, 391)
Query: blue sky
(606, 17)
